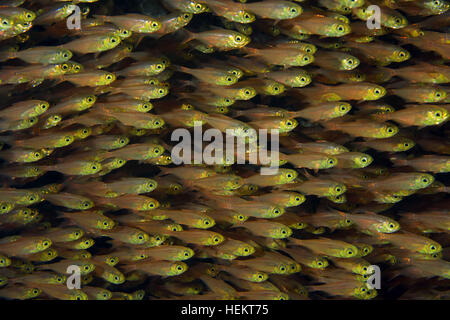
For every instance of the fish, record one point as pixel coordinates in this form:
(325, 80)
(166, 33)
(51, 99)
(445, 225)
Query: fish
(133, 22)
(286, 57)
(328, 247)
(221, 39)
(93, 44)
(90, 174)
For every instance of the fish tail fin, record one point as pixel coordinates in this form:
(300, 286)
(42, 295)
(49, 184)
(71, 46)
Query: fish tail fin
(250, 52)
(296, 114)
(102, 18)
(128, 268)
(295, 241)
(361, 145)
(398, 162)
(189, 36)
(164, 171)
(6, 55)
(182, 69)
(381, 116)
(139, 40)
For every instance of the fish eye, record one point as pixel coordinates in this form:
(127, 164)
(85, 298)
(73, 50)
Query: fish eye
(283, 231)
(65, 67)
(229, 79)
(338, 189)
(390, 130)
(216, 239)
(179, 268)
(350, 252)
(161, 91)
(363, 159)
(377, 91)
(293, 10)
(113, 40)
(37, 155)
(65, 55)
(206, 222)
(238, 38)
(108, 77)
(35, 291)
(151, 205)
(437, 114)
(140, 237)
(282, 268)
(94, 167)
(76, 68)
(247, 92)
(330, 161)
(116, 278)
(425, 180)
(305, 58)
(398, 20)
(5, 23)
(198, 6)
(340, 28)
(186, 16)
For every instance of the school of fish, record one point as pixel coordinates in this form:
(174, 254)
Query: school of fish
(92, 90)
